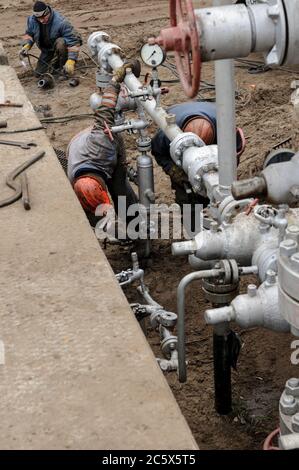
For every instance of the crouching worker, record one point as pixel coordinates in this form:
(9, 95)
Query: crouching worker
(198, 117)
(97, 163)
(55, 37)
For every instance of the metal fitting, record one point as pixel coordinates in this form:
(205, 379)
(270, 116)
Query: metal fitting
(270, 278)
(288, 405)
(292, 232)
(170, 119)
(288, 247)
(292, 387)
(252, 290)
(182, 142)
(295, 422)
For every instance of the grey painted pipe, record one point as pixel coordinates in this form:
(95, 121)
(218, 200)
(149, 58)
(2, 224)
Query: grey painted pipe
(181, 315)
(226, 120)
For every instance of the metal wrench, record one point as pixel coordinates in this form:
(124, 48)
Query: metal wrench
(22, 145)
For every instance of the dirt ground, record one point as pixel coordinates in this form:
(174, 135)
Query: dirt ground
(264, 112)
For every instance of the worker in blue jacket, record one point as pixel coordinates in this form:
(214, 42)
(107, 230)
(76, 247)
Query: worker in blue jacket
(198, 117)
(55, 37)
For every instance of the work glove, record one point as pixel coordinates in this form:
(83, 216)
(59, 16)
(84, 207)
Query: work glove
(69, 67)
(25, 49)
(120, 73)
(178, 176)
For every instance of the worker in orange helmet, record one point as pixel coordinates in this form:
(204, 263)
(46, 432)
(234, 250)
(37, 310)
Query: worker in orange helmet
(97, 162)
(198, 117)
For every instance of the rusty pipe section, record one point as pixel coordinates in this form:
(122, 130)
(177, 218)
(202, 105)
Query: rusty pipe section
(278, 182)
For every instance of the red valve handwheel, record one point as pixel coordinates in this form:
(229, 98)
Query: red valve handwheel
(182, 38)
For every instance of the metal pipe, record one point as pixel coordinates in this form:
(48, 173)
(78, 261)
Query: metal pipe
(181, 314)
(158, 114)
(143, 290)
(226, 123)
(226, 120)
(222, 351)
(234, 30)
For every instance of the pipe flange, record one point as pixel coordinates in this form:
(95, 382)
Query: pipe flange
(221, 299)
(168, 319)
(155, 318)
(292, 17)
(278, 52)
(214, 288)
(181, 143)
(105, 51)
(288, 268)
(168, 345)
(230, 207)
(94, 39)
(289, 308)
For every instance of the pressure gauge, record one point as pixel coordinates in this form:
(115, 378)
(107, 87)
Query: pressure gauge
(152, 55)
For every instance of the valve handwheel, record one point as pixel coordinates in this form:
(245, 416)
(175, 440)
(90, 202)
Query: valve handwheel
(182, 38)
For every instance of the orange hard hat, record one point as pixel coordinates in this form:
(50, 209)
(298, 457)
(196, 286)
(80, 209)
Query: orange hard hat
(201, 127)
(91, 192)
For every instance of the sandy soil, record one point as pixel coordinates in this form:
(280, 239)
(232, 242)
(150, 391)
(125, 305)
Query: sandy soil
(264, 112)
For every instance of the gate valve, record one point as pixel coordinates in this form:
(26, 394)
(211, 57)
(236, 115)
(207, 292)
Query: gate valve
(183, 39)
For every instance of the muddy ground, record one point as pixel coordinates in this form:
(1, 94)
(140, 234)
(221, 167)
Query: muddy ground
(264, 112)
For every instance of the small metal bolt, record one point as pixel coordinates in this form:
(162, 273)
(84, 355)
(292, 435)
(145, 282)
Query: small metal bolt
(288, 400)
(292, 232)
(288, 247)
(270, 277)
(251, 290)
(170, 119)
(292, 387)
(197, 178)
(177, 153)
(273, 11)
(293, 382)
(295, 422)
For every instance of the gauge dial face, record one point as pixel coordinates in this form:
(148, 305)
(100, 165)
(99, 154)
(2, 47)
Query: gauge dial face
(152, 55)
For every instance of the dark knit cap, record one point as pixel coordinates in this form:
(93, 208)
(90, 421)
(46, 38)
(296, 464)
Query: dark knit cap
(40, 6)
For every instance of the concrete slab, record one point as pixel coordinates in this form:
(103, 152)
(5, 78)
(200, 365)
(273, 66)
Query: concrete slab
(3, 56)
(78, 372)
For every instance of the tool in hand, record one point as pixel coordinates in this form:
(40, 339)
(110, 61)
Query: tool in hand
(22, 145)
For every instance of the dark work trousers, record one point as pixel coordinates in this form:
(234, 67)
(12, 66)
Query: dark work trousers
(192, 200)
(52, 60)
(119, 185)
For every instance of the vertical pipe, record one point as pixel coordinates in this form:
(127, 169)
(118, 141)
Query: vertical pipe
(226, 121)
(222, 368)
(226, 139)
